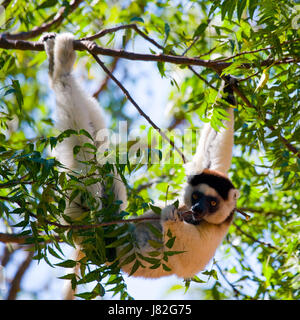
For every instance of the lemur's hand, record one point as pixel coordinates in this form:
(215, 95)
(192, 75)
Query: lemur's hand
(170, 213)
(47, 35)
(48, 39)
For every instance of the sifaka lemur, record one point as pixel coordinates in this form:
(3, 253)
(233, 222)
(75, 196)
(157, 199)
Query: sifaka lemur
(208, 194)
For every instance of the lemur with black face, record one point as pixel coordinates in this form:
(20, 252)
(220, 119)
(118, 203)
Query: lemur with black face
(208, 193)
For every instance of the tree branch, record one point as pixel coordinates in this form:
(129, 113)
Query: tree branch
(237, 293)
(36, 31)
(97, 50)
(19, 239)
(141, 112)
(112, 69)
(265, 244)
(15, 284)
(105, 81)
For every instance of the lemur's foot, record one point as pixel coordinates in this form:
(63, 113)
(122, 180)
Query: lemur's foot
(89, 44)
(60, 50)
(49, 40)
(48, 35)
(170, 213)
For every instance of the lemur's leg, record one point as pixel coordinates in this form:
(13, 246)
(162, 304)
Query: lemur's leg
(75, 109)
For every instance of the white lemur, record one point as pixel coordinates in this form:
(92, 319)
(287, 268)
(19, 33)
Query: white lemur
(208, 194)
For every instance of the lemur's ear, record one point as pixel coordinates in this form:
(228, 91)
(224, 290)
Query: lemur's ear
(234, 194)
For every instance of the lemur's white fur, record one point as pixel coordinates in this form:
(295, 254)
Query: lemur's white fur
(213, 148)
(76, 110)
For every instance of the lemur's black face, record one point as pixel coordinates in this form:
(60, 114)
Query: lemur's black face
(203, 204)
(210, 197)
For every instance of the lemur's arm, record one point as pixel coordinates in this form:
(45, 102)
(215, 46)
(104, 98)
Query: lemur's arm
(198, 236)
(214, 150)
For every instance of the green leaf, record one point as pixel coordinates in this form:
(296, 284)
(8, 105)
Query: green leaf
(99, 290)
(176, 204)
(74, 194)
(128, 260)
(90, 277)
(154, 253)
(240, 8)
(136, 265)
(197, 279)
(119, 242)
(47, 4)
(166, 268)
(167, 30)
(67, 264)
(138, 19)
(172, 253)
(155, 266)
(85, 133)
(54, 253)
(154, 230)
(148, 259)
(18, 93)
(170, 242)
(200, 29)
(117, 231)
(85, 295)
(125, 250)
(155, 244)
(211, 273)
(161, 68)
(155, 209)
(68, 276)
(76, 150)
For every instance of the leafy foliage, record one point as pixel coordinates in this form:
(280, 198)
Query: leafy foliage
(256, 38)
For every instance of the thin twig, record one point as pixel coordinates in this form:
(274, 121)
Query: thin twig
(112, 69)
(123, 27)
(202, 79)
(243, 213)
(141, 112)
(36, 31)
(98, 225)
(265, 244)
(255, 51)
(249, 77)
(20, 239)
(190, 46)
(237, 293)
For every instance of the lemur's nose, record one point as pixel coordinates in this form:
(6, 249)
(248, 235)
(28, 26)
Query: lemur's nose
(198, 207)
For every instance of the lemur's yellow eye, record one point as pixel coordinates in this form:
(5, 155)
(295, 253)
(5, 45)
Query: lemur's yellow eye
(213, 203)
(195, 196)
